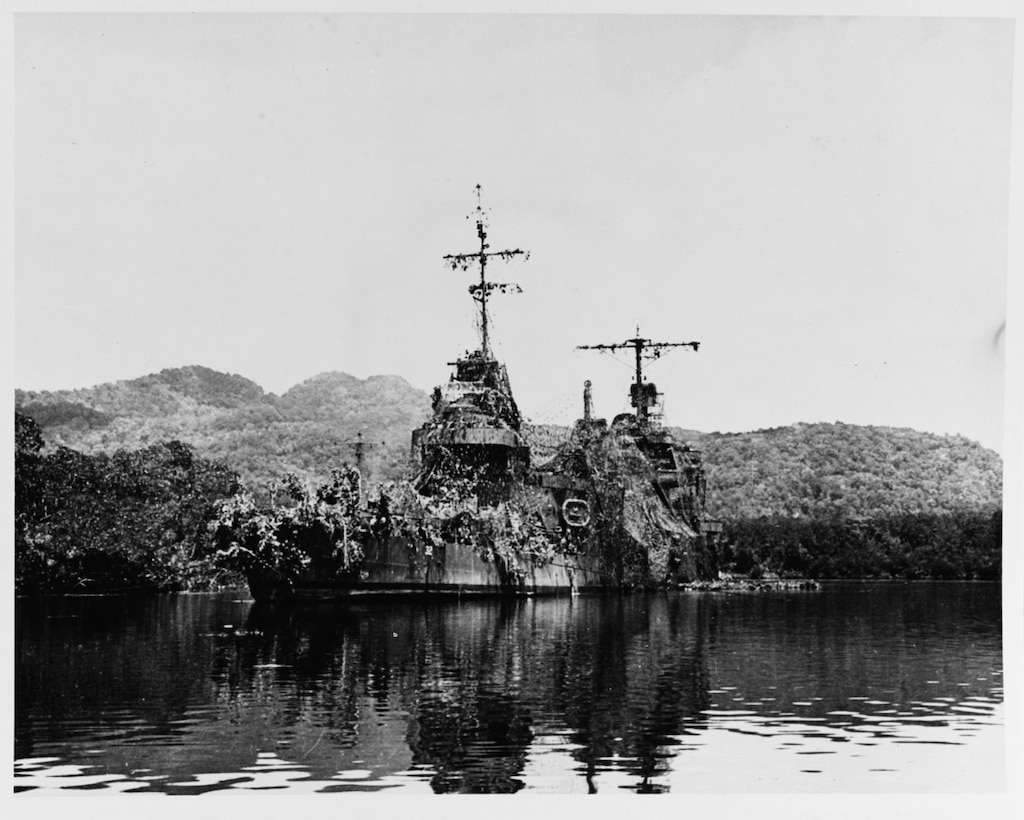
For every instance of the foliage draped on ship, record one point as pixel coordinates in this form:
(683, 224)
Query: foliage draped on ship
(314, 527)
(505, 532)
(638, 541)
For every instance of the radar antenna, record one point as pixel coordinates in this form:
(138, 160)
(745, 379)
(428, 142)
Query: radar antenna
(641, 394)
(482, 289)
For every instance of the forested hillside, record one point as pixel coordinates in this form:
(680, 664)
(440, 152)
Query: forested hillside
(845, 501)
(829, 470)
(313, 427)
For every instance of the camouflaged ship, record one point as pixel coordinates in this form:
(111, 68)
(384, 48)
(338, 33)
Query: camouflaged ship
(620, 505)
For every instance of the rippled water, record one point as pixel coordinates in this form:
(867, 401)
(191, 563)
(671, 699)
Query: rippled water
(858, 688)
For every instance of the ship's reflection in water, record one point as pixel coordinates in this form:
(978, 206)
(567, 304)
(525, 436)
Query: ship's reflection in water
(593, 693)
(476, 684)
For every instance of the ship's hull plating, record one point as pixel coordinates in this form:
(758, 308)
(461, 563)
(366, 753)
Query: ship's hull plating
(398, 566)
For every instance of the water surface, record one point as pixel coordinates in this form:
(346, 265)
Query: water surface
(858, 688)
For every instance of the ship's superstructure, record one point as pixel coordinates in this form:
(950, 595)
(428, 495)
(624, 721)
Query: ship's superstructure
(474, 440)
(678, 470)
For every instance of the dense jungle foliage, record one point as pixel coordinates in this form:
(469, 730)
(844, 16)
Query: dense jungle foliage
(964, 545)
(128, 520)
(826, 500)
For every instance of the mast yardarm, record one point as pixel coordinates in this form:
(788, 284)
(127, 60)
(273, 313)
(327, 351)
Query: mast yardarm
(482, 289)
(642, 349)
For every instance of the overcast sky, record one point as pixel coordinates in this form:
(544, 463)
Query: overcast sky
(821, 202)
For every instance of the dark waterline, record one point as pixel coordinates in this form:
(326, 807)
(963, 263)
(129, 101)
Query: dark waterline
(861, 687)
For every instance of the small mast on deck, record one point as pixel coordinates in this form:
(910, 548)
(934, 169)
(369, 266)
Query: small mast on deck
(643, 395)
(480, 290)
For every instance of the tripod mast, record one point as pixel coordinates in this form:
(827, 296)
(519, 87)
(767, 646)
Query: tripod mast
(642, 348)
(482, 289)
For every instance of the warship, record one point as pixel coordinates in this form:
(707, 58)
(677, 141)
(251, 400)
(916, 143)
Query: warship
(618, 506)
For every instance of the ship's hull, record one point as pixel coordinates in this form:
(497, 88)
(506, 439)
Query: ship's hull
(399, 566)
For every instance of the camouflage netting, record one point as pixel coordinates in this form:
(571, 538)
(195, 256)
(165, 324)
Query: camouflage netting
(645, 537)
(501, 533)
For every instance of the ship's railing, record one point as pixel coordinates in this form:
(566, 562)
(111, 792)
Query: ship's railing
(689, 456)
(711, 525)
(454, 390)
(501, 436)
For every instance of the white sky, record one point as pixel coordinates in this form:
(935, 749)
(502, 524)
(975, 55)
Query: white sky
(822, 202)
